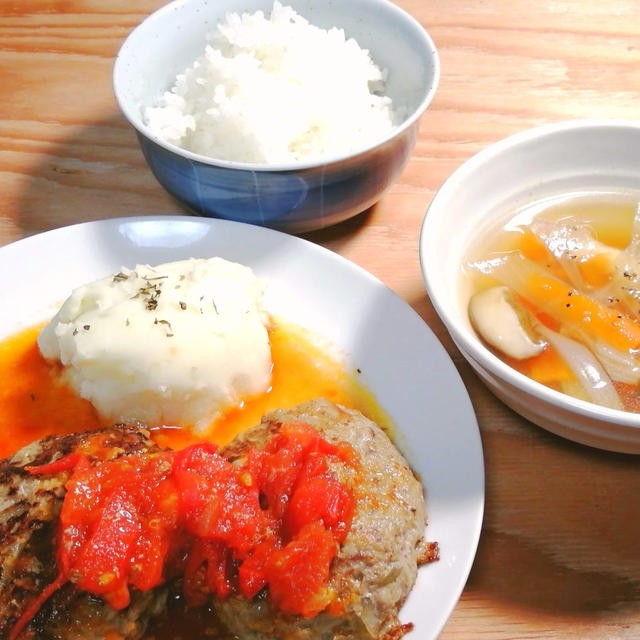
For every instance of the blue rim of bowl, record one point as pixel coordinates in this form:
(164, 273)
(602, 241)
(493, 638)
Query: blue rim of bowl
(471, 344)
(408, 122)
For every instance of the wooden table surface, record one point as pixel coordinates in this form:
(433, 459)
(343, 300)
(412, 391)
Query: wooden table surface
(559, 555)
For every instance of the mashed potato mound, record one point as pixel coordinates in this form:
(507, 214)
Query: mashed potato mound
(173, 344)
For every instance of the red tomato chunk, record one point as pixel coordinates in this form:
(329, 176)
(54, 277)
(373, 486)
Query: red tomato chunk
(275, 521)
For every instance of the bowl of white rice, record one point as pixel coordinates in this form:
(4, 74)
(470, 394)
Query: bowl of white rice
(294, 115)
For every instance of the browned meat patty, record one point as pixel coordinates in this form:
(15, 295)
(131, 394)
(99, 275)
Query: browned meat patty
(377, 563)
(29, 510)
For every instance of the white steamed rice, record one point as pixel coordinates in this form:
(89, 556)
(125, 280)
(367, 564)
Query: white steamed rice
(275, 90)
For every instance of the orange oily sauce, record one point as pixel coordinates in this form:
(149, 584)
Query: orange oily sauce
(34, 403)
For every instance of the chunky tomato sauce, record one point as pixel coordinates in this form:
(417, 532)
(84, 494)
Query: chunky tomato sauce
(274, 521)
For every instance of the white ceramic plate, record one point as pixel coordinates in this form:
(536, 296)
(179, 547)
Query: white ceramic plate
(402, 361)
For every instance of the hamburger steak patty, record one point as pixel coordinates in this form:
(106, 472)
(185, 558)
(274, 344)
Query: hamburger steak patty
(29, 510)
(376, 566)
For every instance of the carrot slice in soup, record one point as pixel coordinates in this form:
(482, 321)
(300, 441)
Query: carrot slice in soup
(594, 318)
(548, 367)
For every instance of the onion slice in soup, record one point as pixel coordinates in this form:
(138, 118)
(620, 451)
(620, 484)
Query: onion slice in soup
(621, 366)
(624, 288)
(594, 380)
(587, 262)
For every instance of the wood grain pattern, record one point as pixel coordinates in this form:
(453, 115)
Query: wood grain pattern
(559, 555)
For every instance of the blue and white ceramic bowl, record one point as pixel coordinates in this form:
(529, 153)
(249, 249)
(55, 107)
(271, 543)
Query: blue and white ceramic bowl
(295, 197)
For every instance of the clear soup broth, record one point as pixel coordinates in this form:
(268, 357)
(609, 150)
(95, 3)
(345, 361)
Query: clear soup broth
(555, 294)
